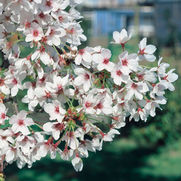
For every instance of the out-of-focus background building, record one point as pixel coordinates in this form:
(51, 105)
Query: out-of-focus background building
(148, 151)
(152, 18)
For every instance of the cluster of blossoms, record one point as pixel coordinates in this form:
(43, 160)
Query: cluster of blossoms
(74, 100)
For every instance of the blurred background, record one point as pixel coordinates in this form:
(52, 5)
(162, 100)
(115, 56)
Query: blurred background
(144, 151)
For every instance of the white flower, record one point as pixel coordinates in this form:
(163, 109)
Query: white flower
(146, 51)
(128, 62)
(61, 16)
(121, 38)
(59, 84)
(42, 55)
(118, 76)
(38, 1)
(26, 144)
(20, 123)
(157, 90)
(162, 67)
(84, 58)
(83, 79)
(103, 60)
(77, 163)
(3, 87)
(168, 79)
(34, 33)
(104, 105)
(135, 89)
(66, 154)
(74, 34)
(89, 103)
(110, 135)
(49, 5)
(55, 111)
(71, 140)
(53, 35)
(10, 155)
(54, 128)
(14, 82)
(42, 18)
(151, 105)
(3, 112)
(139, 114)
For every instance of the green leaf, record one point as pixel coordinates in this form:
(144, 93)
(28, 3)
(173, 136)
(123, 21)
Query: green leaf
(1, 58)
(6, 125)
(21, 105)
(26, 50)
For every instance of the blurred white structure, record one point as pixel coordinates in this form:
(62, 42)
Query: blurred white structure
(110, 15)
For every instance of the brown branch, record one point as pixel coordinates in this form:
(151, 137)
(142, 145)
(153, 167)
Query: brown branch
(2, 168)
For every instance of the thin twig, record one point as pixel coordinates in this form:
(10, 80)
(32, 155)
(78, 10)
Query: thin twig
(2, 168)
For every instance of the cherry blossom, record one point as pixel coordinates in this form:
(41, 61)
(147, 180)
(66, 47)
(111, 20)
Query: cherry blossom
(83, 57)
(129, 62)
(103, 60)
(56, 97)
(83, 79)
(118, 76)
(55, 111)
(77, 163)
(54, 128)
(136, 89)
(121, 38)
(35, 33)
(146, 51)
(20, 123)
(3, 111)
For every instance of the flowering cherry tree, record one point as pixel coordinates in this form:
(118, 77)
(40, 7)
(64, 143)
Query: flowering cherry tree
(73, 99)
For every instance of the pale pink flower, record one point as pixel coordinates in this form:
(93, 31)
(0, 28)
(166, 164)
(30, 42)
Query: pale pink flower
(146, 51)
(84, 78)
(34, 33)
(128, 62)
(55, 111)
(3, 111)
(118, 76)
(103, 60)
(54, 128)
(83, 57)
(77, 163)
(121, 38)
(136, 89)
(21, 122)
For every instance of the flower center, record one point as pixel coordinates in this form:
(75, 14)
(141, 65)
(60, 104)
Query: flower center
(42, 15)
(3, 116)
(119, 73)
(48, 3)
(134, 86)
(1, 82)
(21, 122)
(81, 52)
(125, 62)
(60, 18)
(88, 104)
(57, 110)
(35, 33)
(87, 76)
(59, 126)
(99, 106)
(142, 52)
(14, 81)
(106, 61)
